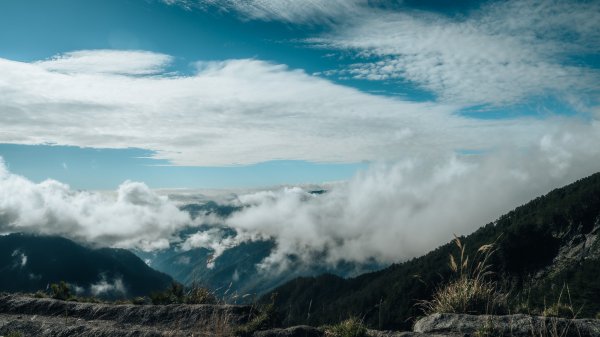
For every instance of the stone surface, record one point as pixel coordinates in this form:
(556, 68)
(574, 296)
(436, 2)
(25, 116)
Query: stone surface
(296, 331)
(387, 333)
(47, 317)
(507, 325)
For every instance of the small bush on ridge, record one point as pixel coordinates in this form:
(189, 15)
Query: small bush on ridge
(352, 327)
(471, 292)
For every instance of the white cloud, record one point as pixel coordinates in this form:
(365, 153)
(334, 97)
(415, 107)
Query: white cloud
(306, 11)
(393, 212)
(231, 112)
(135, 218)
(214, 239)
(106, 287)
(21, 258)
(120, 62)
(500, 54)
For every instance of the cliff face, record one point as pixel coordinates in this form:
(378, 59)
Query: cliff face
(47, 317)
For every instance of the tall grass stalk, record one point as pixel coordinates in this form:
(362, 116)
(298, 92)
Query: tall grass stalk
(471, 291)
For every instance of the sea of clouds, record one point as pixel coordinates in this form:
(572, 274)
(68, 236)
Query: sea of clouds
(387, 213)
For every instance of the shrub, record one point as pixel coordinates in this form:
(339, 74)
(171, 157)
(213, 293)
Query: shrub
(264, 319)
(471, 291)
(352, 327)
(176, 294)
(172, 295)
(560, 309)
(140, 300)
(40, 294)
(60, 291)
(199, 295)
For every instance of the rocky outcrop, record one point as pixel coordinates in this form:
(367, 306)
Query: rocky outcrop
(295, 331)
(507, 325)
(47, 317)
(43, 317)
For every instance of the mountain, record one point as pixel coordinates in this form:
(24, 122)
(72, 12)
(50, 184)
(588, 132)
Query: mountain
(29, 263)
(236, 271)
(547, 246)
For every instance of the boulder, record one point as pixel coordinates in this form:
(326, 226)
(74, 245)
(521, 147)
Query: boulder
(507, 325)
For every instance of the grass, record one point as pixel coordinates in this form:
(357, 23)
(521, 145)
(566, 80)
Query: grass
(352, 327)
(264, 318)
(177, 294)
(471, 291)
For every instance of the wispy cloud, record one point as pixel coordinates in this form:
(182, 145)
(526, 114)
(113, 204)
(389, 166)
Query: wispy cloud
(104, 286)
(118, 62)
(231, 112)
(501, 54)
(302, 12)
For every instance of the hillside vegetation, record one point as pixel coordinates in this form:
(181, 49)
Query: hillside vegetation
(29, 263)
(543, 247)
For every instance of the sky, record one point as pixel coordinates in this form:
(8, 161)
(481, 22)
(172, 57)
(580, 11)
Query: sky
(223, 94)
(422, 118)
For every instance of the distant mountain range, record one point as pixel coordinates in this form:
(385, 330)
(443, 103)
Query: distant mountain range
(546, 246)
(30, 263)
(235, 271)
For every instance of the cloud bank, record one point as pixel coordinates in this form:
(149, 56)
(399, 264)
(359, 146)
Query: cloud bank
(387, 213)
(135, 218)
(393, 212)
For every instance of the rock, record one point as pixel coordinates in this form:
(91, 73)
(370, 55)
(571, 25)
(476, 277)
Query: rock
(507, 325)
(387, 333)
(40, 317)
(295, 331)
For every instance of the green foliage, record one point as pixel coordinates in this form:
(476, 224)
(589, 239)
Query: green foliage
(53, 259)
(60, 291)
(173, 294)
(199, 295)
(559, 310)
(40, 294)
(140, 300)
(352, 327)
(531, 237)
(176, 294)
(471, 291)
(265, 318)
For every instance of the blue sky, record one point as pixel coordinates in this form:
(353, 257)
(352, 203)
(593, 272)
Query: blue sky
(208, 94)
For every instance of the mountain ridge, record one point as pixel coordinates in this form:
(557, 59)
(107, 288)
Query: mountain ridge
(530, 238)
(31, 262)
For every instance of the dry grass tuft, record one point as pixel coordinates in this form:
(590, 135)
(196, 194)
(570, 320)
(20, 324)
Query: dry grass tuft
(352, 327)
(471, 291)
